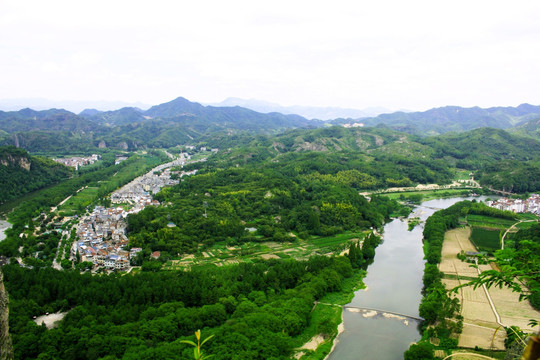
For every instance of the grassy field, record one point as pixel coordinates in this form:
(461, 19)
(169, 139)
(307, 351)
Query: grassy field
(486, 239)
(219, 255)
(461, 174)
(79, 201)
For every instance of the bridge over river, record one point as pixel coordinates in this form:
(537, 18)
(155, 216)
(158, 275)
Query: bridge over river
(380, 311)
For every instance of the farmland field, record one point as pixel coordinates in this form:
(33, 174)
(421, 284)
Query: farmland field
(479, 325)
(486, 239)
(489, 222)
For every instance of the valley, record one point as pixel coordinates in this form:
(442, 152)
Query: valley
(177, 228)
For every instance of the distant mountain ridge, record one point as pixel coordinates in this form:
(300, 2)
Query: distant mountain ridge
(50, 120)
(451, 118)
(181, 121)
(309, 112)
(75, 106)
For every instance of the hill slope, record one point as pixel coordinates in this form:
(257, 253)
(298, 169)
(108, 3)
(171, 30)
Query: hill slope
(21, 173)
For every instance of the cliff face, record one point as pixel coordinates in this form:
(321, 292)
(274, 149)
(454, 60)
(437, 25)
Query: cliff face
(6, 350)
(20, 161)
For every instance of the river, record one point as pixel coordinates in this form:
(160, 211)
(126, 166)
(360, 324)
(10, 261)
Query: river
(394, 284)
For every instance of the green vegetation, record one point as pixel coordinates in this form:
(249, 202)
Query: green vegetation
(454, 119)
(489, 222)
(438, 308)
(412, 222)
(78, 202)
(417, 197)
(254, 221)
(520, 265)
(487, 240)
(512, 175)
(146, 316)
(283, 201)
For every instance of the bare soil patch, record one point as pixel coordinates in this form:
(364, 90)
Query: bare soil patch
(50, 320)
(269, 256)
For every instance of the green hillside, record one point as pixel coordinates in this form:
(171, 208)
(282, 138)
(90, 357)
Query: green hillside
(21, 173)
(529, 129)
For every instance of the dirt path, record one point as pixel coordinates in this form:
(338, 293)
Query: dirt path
(514, 229)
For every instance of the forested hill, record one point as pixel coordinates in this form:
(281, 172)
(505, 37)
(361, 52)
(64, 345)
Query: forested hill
(21, 173)
(180, 108)
(497, 158)
(452, 118)
(529, 129)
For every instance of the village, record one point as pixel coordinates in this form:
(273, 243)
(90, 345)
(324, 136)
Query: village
(77, 162)
(101, 235)
(530, 205)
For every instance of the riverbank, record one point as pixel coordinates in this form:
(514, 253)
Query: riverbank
(319, 339)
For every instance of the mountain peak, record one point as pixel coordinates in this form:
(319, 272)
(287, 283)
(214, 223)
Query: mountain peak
(175, 107)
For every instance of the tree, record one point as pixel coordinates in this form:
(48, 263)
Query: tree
(420, 351)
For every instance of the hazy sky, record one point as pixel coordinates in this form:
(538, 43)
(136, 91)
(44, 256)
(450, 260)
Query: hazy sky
(397, 54)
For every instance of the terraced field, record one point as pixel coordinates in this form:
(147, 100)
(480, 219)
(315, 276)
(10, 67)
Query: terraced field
(219, 255)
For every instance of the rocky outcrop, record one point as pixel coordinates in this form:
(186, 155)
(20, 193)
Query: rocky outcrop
(123, 145)
(6, 349)
(16, 161)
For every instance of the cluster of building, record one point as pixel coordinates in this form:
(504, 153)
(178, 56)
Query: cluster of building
(530, 205)
(102, 234)
(76, 162)
(139, 192)
(102, 238)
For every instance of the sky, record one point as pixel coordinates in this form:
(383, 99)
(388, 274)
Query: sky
(396, 54)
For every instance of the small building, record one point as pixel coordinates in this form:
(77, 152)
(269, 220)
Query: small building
(472, 255)
(121, 264)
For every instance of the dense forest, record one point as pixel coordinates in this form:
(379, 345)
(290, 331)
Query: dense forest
(254, 310)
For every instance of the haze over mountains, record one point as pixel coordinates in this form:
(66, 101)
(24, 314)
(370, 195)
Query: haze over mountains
(180, 121)
(309, 112)
(75, 106)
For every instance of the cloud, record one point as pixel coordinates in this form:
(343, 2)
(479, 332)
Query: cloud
(413, 54)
